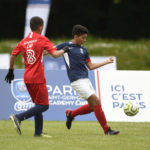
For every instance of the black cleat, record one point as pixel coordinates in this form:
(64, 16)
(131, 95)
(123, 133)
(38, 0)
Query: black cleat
(111, 132)
(69, 119)
(16, 122)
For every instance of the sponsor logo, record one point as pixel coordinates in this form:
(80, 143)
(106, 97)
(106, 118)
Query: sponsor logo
(64, 95)
(21, 106)
(121, 95)
(29, 45)
(29, 42)
(20, 93)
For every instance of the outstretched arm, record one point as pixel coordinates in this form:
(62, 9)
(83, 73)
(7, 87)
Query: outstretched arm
(93, 66)
(56, 54)
(59, 53)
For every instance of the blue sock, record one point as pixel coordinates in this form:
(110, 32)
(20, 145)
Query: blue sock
(38, 124)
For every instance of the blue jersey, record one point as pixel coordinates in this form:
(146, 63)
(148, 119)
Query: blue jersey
(75, 61)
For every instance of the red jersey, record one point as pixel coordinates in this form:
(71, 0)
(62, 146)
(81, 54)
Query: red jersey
(32, 48)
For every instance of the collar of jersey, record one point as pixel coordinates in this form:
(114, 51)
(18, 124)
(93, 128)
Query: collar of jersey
(74, 45)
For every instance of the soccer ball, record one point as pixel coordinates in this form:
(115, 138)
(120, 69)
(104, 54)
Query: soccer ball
(130, 109)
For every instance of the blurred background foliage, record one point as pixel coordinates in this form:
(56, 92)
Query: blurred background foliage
(130, 54)
(118, 28)
(127, 19)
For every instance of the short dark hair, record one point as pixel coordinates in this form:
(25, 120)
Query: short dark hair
(79, 30)
(36, 22)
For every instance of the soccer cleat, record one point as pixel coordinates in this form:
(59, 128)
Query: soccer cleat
(44, 135)
(69, 118)
(16, 122)
(111, 132)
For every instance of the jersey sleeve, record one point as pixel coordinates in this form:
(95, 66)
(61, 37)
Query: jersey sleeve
(16, 50)
(87, 57)
(49, 46)
(60, 46)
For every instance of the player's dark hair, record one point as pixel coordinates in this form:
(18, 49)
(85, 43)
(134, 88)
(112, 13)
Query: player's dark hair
(79, 30)
(35, 23)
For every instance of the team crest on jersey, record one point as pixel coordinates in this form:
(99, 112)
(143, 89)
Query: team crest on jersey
(81, 50)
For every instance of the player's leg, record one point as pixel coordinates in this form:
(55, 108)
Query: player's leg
(99, 113)
(42, 97)
(39, 95)
(32, 112)
(16, 123)
(70, 114)
(27, 114)
(38, 124)
(84, 90)
(85, 109)
(13, 117)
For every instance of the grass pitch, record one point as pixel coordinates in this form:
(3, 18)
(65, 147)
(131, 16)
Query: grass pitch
(83, 136)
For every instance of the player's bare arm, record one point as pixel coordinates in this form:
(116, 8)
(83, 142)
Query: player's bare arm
(59, 53)
(93, 66)
(12, 61)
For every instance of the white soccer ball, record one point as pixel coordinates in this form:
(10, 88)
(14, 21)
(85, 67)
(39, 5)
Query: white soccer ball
(130, 109)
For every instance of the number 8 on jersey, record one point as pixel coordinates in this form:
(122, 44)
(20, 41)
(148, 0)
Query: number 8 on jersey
(31, 56)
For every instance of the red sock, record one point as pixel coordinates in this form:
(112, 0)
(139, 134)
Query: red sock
(85, 109)
(99, 113)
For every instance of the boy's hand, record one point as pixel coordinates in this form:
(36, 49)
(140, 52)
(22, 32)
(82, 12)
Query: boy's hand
(45, 52)
(110, 60)
(66, 49)
(10, 76)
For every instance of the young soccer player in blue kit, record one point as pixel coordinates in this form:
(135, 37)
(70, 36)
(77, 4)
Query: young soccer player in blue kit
(77, 61)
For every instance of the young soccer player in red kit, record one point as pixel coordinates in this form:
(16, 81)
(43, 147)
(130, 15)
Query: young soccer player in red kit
(32, 48)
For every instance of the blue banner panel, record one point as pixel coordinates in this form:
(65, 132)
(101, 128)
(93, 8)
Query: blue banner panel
(15, 98)
(51, 63)
(39, 1)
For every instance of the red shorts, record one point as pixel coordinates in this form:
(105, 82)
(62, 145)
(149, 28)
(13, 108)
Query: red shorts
(38, 93)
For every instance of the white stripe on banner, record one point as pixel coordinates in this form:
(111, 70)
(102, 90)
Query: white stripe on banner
(39, 8)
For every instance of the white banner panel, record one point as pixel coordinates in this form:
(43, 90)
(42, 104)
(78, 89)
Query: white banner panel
(118, 87)
(4, 61)
(39, 8)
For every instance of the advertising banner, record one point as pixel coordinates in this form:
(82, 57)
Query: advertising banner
(120, 87)
(115, 88)
(15, 97)
(39, 8)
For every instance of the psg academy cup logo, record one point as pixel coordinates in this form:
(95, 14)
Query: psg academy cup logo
(20, 93)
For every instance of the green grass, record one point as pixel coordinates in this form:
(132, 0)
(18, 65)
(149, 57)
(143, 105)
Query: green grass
(83, 136)
(131, 55)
